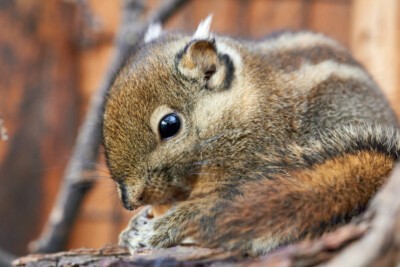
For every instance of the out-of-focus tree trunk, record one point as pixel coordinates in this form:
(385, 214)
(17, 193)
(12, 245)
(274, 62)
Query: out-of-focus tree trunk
(39, 105)
(375, 41)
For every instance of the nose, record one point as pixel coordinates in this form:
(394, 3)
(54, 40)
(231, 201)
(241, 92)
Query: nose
(124, 197)
(129, 202)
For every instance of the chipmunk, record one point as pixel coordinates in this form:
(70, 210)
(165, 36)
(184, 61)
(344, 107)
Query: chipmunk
(251, 145)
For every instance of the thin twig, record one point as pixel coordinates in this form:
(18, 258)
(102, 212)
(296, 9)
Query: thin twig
(86, 148)
(3, 131)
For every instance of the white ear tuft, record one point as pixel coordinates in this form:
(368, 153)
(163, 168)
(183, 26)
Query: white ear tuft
(203, 30)
(153, 32)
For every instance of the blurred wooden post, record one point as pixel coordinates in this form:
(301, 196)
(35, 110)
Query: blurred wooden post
(39, 103)
(375, 41)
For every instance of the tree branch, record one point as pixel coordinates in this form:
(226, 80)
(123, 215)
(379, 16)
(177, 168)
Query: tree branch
(3, 131)
(5, 258)
(116, 256)
(86, 148)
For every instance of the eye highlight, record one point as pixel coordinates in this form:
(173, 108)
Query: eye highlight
(169, 126)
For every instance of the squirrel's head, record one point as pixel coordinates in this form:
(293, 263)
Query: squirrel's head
(174, 114)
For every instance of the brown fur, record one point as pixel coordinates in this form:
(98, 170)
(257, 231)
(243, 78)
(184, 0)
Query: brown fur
(278, 141)
(302, 203)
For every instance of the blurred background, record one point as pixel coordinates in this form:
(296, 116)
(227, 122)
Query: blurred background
(53, 54)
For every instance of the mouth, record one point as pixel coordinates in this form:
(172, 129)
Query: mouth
(129, 205)
(125, 198)
(147, 196)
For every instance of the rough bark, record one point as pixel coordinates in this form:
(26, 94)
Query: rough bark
(116, 256)
(307, 253)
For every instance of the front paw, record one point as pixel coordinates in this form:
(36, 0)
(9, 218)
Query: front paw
(139, 231)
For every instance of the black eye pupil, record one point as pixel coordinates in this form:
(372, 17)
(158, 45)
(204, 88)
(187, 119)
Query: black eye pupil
(169, 125)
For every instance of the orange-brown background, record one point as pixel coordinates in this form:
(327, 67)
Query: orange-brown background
(52, 59)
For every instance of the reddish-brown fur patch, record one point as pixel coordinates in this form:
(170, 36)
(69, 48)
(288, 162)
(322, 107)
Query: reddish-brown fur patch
(303, 203)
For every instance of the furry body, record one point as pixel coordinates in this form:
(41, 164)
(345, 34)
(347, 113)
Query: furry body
(281, 139)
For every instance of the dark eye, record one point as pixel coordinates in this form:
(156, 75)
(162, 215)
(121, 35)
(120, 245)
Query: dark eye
(169, 125)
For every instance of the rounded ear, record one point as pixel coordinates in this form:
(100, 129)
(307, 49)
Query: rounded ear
(201, 61)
